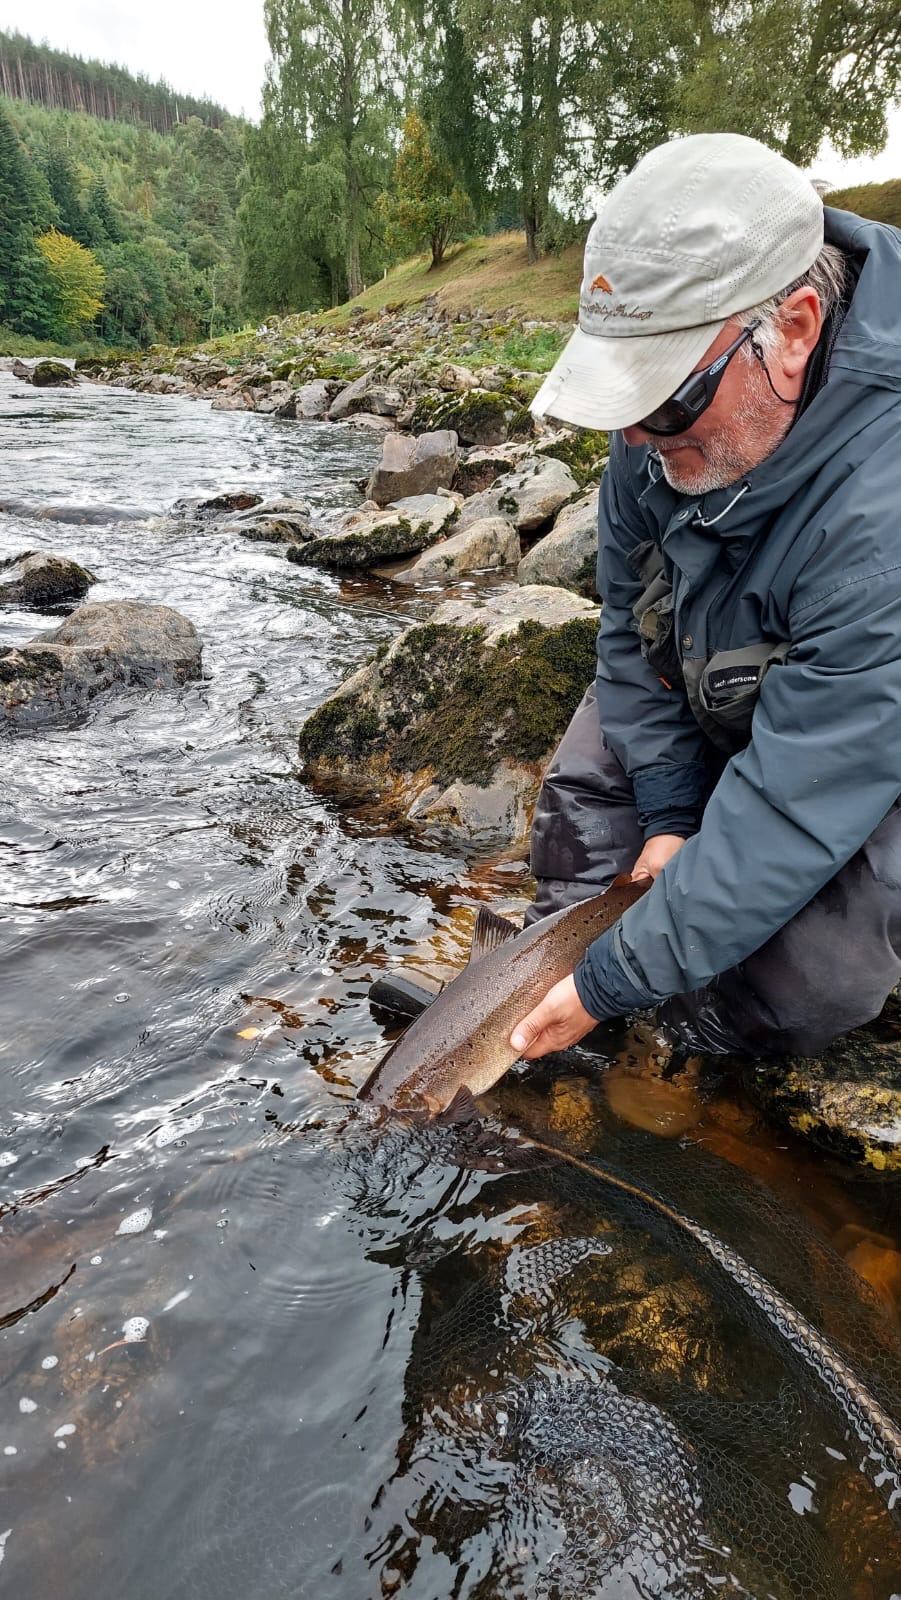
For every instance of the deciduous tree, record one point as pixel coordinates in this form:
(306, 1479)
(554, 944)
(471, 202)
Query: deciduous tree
(425, 205)
(77, 278)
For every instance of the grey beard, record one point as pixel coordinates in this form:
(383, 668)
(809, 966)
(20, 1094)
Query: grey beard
(755, 429)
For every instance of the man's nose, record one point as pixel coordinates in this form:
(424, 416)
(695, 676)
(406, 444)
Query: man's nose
(636, 435)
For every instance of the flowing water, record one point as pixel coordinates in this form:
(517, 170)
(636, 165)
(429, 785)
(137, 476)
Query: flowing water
(251, 1344)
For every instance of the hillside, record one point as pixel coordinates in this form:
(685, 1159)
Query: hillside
(156, 213)
(491, 273)
(51, 78)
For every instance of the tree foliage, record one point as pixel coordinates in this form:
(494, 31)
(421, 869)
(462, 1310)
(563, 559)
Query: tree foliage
(425, 205)
(77, 279)
(331, 97)
(158, 212)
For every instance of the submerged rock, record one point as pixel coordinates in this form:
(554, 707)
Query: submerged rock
(484, 546)
(40, 580)
(454, 722)
(100, 646)
(848, 1100)
(413, 466)
(568, 554)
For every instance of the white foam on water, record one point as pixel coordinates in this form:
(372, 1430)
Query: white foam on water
(64, 1431)
(3, 1539)
(137, 1221)
(49, 1362)
(10, 1450)
(170, 1131)
(176, 1299)
(7, 1159)
(27, 1405)
(135, 1328)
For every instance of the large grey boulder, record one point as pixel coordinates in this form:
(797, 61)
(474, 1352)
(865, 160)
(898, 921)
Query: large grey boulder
(568, 554)
(530, 496)
(115, 642)
(312, 400)
(276, 399)
(371, 536)
(486, 546)
(366, 394)
(452, 725)
(39, 580)
(413, 466)
(45, 374)
(481, 466)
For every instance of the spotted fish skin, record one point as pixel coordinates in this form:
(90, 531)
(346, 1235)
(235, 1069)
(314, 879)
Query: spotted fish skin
(462, 1040)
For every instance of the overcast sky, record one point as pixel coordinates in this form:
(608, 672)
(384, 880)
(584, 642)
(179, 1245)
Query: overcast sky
(207, 47)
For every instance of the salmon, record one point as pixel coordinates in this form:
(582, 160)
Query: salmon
(460, 1045)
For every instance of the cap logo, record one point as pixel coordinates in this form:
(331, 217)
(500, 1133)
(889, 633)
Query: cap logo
(602, 283)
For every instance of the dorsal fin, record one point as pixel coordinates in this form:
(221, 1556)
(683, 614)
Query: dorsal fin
(491, 931)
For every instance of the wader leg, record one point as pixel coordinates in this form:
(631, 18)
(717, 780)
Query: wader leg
(830, 969)
(585, 829)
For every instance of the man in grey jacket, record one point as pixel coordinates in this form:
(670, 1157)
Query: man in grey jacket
(741, 749)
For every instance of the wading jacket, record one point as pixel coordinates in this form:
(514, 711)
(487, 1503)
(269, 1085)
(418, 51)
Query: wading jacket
(771, 611)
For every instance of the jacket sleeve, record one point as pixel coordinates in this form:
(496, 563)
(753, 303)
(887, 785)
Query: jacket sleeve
(821, 771)
(649, 726)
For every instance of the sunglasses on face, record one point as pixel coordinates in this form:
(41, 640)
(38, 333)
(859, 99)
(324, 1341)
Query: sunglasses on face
(692, 397)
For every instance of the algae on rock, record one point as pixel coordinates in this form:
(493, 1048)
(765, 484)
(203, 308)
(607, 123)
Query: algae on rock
(848, 1100)
(444, 705)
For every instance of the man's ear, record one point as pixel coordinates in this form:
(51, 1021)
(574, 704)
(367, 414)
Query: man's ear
(800, 322)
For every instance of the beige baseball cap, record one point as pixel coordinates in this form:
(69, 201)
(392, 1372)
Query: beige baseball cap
(703, 227)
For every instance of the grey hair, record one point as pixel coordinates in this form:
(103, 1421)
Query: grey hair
(826, 276)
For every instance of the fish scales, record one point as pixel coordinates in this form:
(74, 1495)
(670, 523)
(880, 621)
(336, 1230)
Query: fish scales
(462, 1040)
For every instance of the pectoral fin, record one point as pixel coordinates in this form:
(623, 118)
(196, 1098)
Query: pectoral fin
(461, 1109)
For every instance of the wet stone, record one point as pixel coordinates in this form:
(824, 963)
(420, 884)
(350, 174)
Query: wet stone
(848, 1100)
(117, 642)
(39, 580)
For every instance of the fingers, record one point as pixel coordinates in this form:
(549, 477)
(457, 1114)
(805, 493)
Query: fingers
(527, 1034)
(558, 1021)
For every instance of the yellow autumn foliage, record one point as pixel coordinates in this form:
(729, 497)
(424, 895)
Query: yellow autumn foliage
(77, 277)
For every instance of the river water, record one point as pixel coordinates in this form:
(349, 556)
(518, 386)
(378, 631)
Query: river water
(232, 1352)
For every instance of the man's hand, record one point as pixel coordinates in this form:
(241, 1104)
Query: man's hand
(656, 853)
(560, 1020)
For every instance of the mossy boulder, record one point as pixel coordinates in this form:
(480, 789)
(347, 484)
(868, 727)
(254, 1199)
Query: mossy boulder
(585, 453)
(372, 537)
(455, 721)
(41, 581)
(45, 374)
(479, 417)
(848, 1100)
